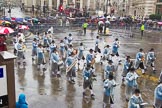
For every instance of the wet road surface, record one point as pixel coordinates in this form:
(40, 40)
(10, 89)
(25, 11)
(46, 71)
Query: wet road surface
(49, 92)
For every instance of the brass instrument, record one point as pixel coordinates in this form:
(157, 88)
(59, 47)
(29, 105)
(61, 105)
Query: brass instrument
(71, 66)
(143, 57)
(24, 47)
(93, 61)
(74, 62)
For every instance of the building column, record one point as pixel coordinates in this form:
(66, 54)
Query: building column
(64, 4)
(50, 4)
(58, 3)
(88, 4)
(34, 2)
(42, 4)
(94, 4)
(81, 5)
(74, 3)
(25, 2)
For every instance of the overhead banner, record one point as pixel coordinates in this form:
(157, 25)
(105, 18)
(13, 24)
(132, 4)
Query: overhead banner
(3, 81)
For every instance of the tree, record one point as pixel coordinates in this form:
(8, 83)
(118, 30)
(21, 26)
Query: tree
(155, 17)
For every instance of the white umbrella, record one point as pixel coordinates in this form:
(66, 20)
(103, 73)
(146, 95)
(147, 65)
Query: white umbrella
(24, 27)
(113, 17)
(107, 22)
(100, 22)
(108, 17)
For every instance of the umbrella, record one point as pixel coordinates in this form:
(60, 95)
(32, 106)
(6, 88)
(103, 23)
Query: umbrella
(113, 17)
(19, 19)
(107, 22)
(24, 27)
(100, 22)
(160, 23)
(108, 17)
(6, 30)
(6, 22)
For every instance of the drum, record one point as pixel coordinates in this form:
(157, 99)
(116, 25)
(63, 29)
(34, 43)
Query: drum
(60, 63)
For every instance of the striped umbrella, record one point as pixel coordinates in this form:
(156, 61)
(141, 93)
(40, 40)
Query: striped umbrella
(6, 30)
(24, 27)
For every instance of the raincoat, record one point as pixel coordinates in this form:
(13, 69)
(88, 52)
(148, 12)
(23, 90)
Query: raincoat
(21, 102)
(135, 102)
(158, 96)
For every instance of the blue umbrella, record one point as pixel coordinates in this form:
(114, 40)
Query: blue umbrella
(19, 19)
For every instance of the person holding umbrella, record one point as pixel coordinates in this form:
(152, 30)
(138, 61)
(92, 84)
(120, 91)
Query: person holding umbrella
(2, 43)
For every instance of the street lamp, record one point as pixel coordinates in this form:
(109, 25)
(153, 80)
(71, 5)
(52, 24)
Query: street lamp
(9, 11)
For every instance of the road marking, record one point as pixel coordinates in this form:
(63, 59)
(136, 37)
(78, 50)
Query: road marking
(155, 43)
(130, 43)
(148, 77)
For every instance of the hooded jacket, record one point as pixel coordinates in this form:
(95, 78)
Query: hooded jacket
(21, 102)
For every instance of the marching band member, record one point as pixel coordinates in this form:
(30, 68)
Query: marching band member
(96, 44)
(109, 85)
(107, 52)
(90, 59)
(109, 69)
(81, 49)
(15, 42)
(71, 72)
(139, 62)
(151, 59)
(66, 42)
(49, 38)
(55, 68)
(131, 83)
(52, 47)
(88, 80)
(62, 50)
(135, 100)
(160, 77)
(20, 53)
(40, 56)
(115, 48)
(37, 37)
(158, 96)
(70, 50)
(80, 55)
(127, 65)
(45, 40)
(70, 38)
(34, 49)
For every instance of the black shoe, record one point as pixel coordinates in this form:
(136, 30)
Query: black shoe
(127, 100)
(58, 75)
(84, 94)
(143, 73)
(44, 69)
(154, 71)
(72, 81)
(92, 96)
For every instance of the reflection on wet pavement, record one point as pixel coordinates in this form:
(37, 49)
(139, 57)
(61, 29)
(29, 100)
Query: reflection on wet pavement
(49, 92)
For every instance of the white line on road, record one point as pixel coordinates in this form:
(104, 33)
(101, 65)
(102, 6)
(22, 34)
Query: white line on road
(130, 43)
(155, 43)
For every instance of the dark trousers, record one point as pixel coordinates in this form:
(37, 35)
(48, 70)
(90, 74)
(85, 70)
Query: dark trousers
(85, 31)
(142, 33)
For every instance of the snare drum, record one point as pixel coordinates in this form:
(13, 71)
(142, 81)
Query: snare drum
(60, 63)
